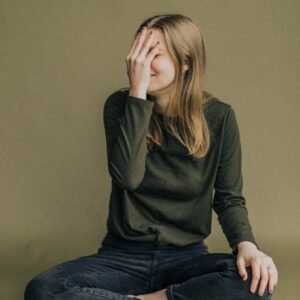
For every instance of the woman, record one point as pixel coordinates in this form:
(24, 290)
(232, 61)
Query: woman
(169, 145)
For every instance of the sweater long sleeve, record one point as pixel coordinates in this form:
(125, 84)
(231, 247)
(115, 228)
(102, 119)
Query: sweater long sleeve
(126, 129)
(229, 202)
(165, 195)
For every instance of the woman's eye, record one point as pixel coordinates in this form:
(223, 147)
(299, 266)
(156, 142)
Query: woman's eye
(157, 55)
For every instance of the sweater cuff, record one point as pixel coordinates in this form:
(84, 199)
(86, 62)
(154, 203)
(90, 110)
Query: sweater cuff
(140, 101)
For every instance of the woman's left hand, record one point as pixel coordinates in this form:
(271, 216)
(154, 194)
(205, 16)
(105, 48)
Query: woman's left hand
(262, 265)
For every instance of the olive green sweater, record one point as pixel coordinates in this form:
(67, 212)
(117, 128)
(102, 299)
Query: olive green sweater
(166, 195)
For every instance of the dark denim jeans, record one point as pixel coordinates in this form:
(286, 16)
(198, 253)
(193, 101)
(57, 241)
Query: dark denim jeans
(121, 267)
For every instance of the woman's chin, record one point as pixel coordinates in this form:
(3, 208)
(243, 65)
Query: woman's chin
(151, 91)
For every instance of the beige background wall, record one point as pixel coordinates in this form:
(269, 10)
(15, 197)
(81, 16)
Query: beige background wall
(59, 61)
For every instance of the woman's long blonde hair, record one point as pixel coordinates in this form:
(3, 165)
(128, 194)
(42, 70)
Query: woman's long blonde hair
(186, 46)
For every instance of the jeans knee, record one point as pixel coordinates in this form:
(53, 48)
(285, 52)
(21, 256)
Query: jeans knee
(33, 289)
(43, 286)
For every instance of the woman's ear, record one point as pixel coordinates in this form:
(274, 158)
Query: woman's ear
(185, 67)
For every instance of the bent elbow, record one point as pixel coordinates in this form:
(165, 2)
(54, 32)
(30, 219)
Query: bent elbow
(125, 179)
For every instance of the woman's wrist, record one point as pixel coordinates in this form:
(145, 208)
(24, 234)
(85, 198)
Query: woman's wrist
(241, 245)
(245, 243)
(138, 94)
